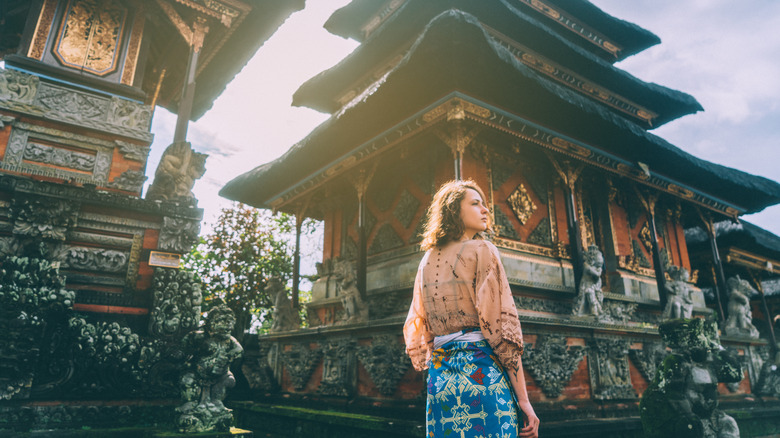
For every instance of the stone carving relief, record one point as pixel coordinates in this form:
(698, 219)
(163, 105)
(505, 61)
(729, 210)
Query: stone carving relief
(44, 218)
(132, 151)
(355, 309)
(679, 303)
(94, 259)
(541, 305)
(17, 86)
(648, 359)
(521, 204)
(76, 104)
(5, 120)
(31, 291)
(207, 375)
(386, 361)
(389, 304)
(590, 296)
(740, 317)
(258, 371)
(285, 316)
(179, 168)
(338, 363)
(130, 114)
(177, 299)
(178, 235)
(619, 312)
(59, 157)
(682, 400)
(131, 180)
(608, 367)
(300, 362)
(552, 363)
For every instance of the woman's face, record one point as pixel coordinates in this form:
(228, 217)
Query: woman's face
(473, 213)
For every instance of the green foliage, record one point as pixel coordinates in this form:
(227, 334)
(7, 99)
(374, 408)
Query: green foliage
(246, 248)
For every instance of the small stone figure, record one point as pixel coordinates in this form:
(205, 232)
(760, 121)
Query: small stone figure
(769, 378)
(679, 303)
(285, 316)
(355, 310)
(682, 400)
(179, 168)
(590, 285)
(740, 320)
(207, 375)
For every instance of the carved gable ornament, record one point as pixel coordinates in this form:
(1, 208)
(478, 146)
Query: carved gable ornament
(521, 204)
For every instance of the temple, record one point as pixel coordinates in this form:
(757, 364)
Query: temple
(93, 309)
(522, 96)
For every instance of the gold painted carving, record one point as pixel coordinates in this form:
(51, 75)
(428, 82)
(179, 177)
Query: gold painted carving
(677, 190)
(458, 137)
(91, 35)
(134, 46)
(456, 109)
(646, 237)
(570, 147)
(521, 204)
(42, 29)
(193, 36)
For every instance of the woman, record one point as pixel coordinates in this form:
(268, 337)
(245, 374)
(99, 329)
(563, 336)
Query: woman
(463, 326)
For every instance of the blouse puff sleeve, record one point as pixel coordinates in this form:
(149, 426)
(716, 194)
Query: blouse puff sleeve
(496, 307)
(417, 335)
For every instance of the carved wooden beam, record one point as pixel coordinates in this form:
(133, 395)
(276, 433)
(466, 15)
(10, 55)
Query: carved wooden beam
(361, 182)
(457, 138)
(569, 173)
(649, 201)
(720, 276)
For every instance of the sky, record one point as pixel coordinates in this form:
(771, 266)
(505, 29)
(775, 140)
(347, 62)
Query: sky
(724, 53)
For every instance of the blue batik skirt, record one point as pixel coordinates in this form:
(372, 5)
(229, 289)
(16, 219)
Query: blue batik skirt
(469, 394)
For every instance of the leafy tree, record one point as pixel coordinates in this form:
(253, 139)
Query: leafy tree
(245, 249)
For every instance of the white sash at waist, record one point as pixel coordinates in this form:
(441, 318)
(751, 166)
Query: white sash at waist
(471, 336)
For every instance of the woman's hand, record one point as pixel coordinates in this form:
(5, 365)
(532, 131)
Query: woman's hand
(530, 421)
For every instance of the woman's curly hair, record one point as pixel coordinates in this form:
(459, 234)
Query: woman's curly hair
(443, 223)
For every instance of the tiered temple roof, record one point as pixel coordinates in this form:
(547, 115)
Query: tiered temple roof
(456, 52)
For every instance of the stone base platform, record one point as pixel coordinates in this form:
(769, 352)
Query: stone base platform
(127, 432)
(280, 421)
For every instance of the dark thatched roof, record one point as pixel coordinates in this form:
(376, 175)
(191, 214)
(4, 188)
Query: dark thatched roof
(323, 91)
(349, 21)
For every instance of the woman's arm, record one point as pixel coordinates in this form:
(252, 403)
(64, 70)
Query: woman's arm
(531, 421)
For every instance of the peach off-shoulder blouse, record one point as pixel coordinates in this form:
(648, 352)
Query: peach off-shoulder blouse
(463, 285)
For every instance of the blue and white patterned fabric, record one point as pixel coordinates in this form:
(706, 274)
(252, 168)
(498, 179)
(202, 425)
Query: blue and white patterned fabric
(469, 394)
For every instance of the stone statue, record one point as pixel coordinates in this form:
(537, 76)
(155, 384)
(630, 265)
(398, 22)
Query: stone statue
(679, 303)
(355, 310)
(769, 378)
(590, 294)
(285, 316)
(179, 168)
(207, 373)
(740, 320)
(682, 400)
